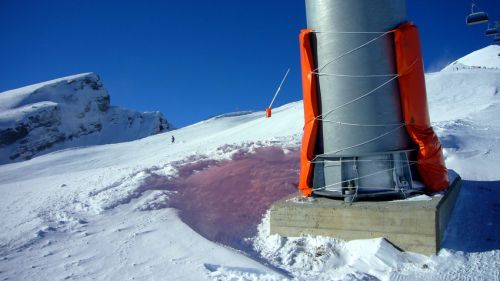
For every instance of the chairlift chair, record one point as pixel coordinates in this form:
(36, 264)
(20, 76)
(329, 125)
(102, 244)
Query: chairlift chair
(496, 39)
(476, 17)
(491, 31)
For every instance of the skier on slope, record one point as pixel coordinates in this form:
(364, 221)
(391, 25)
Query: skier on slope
(173, 139)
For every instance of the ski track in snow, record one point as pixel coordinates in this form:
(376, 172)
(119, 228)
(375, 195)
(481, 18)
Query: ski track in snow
(116, 212)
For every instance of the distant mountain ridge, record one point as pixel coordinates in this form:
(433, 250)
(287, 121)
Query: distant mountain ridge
(487, 57)
(67, 112)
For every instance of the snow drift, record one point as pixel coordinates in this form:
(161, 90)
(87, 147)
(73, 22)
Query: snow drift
(67, 112)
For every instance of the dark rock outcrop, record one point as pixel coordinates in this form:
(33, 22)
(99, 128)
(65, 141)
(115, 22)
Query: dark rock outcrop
(67, 112)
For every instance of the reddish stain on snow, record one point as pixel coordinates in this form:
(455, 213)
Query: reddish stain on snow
(225, 201)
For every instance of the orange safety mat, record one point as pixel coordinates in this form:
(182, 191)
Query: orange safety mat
(310, 113)
(414, 107)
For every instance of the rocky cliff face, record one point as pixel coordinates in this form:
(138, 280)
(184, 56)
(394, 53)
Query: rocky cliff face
(67, 112)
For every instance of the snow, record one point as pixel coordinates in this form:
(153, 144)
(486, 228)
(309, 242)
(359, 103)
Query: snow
(488, 57)
(68, 112)
(84, 207)
(463, 107)
(112, 212)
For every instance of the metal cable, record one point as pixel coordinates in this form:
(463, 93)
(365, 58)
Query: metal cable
(362, 177)
(321, 117)
(358, 98)
(319, 69)
(363, 160)
(348, 32)
(353, 76)
(359, 144)
(361, 125)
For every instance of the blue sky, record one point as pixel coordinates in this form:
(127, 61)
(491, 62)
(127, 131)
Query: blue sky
(192, 60)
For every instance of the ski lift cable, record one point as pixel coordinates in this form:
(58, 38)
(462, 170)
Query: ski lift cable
(279, 88)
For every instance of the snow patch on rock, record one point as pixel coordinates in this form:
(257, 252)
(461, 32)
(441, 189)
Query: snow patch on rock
(73, 111)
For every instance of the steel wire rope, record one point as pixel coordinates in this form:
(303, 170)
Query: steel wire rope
(317, 71)
(352, 50)
(320, 117)
(359, 144)
(357, 178)
(364, 160)
(361, 125)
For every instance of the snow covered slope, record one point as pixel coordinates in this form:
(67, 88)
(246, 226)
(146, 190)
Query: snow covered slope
(488, 57)
(104, 212)
(92, 212)
(67, 112)
(464, 106)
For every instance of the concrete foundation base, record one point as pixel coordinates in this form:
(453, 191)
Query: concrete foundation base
(416, 226)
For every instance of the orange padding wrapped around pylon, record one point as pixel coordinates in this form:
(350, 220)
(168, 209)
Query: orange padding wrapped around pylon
(414, 106)
(310, 113)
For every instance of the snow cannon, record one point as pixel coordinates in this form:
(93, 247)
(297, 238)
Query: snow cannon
(268, 112)
(367, 132)
(269, 108)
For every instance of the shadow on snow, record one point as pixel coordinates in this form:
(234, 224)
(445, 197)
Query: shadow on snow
(475, 223)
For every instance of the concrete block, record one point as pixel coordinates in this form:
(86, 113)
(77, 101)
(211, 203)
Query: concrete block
(416, 226)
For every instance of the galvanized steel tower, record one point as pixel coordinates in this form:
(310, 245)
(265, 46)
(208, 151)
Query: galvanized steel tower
(363, 149)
